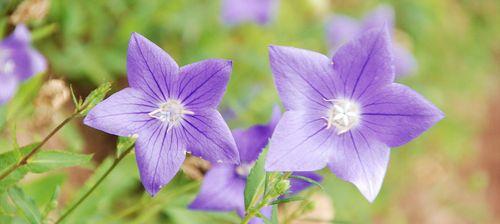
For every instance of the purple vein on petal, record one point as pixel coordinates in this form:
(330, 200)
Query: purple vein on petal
(202, 84)
(161, 150)
(301, 77)
(366, 63)
(204, 134)
(151, 72)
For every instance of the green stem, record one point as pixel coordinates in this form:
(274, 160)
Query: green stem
(25, 159)
(253, 211)
(115, 163)
(151, 203)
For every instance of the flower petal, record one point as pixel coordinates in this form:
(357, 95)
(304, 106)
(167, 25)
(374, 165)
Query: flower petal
(305, 79)
(239, 11)
(28, 62)
(209, 137)
(202, 84)
(21, 37)
(382, 15)
(404, 62)
(300, 142)
(251, 141)
(123, 113)
(365, 63)
(221, 190)
(341, 29)
(297, 185)
(150, 69)
(362, 160)
(8, 87)
(396, 114)
(160, 152)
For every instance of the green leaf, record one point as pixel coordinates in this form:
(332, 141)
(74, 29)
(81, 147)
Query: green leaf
(286, 200)
(9, 159)
(53, 202)
(124, 143)
(95, 97)
(48, 160)
(264, 218)
(25, 205)
(274, 215)
(256, 179)
(21, 104)
(308, 180)
(76, 102)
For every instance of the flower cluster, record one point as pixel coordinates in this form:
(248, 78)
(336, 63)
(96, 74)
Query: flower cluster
(345, 112)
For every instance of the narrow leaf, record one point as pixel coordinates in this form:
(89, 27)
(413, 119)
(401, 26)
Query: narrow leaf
(9, 159)
(124, 143)
(21, 104)
(95, 97)
(255, 180)
(47, 160)
(25, 205)
(308, 180)
(287, 199)
(274, 215)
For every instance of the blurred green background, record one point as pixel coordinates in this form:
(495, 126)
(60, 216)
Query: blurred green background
(451, 174)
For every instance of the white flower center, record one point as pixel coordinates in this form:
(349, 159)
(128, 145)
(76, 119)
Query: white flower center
(343, 115)
(6, 63)
(171, 112)
(244, 169)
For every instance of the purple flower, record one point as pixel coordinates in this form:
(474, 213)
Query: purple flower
(223, 185)
(341, 29)
(18, 62)
(345, 112)
(171, 109)
(240, 11)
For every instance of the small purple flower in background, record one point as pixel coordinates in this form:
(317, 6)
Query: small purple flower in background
(341, 29)
(171, 109)
(240, 11)
(223, 185)
(18, 62)
(345, 112)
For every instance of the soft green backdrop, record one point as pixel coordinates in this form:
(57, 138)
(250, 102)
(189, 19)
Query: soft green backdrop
(435, 179)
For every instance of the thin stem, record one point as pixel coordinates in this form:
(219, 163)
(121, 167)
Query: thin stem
(25, 159)
(265, 200)
(151, 203)
(115, 162)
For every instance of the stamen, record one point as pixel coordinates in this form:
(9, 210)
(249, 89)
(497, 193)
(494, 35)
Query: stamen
(343, 115)
(171, 112)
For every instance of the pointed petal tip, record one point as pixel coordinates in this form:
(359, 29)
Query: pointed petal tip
(152, 191)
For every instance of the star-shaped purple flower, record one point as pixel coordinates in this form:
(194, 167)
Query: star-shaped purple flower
(171, 109)
(346, 112)
(342, 28)
(240, 11)
(18, 62)
(223, 185)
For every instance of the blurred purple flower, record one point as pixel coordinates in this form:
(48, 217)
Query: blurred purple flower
(171, 109)
(240, 11)
(18, 62)
(345, 112)
(223, 185)
(341, 29)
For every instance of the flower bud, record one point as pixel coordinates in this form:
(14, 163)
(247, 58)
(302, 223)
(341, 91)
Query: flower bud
(282, 187)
